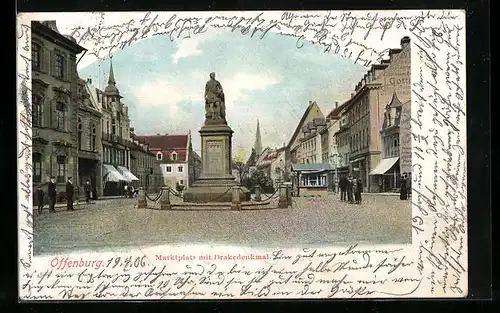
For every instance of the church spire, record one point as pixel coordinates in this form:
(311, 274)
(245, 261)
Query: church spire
(111, 79)
(111, 88)
(258, 141)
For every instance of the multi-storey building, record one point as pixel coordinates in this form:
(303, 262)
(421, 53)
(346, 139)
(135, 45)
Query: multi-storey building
(363, 114)
(88, 140)
(179, 162)
(115, 137)
(294, 147)
(144, 165)
(54, 104)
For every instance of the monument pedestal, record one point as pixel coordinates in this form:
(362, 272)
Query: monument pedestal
(216, 180)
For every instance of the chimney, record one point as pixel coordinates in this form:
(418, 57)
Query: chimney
(405, 41)
(336, 104)
(89, 81)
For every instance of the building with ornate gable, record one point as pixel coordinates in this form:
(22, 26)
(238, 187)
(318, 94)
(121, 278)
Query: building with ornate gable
(115, 137)
(54, 104)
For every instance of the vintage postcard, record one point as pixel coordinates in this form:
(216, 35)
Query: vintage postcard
(242, 155)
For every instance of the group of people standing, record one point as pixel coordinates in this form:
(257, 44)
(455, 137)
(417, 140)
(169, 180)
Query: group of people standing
(52, 194)
(350, 189)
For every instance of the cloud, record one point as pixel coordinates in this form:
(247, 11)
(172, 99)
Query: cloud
(165, 92)
(242, 84)
(188, 47)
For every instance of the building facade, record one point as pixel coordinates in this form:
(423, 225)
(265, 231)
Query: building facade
(88, 141)
(359, 136)
(54, 104)
(294, 153)
(176, 156)
(115, 137)
(144, 165)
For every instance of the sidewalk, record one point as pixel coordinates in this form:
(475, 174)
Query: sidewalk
(82, 201)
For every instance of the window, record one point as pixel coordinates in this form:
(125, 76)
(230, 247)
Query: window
(80, 131)
(169, 169)
(61, 168)
(174, 156)
(59, 66)
(93, 136)
(159, 156)
(113, 127)
(60, 116)
(37, 110)
(182, 182)
(179, 169)
(35, 56)
(37, 167)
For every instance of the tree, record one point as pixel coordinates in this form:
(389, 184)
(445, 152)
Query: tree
(239, 164)
(260, 178)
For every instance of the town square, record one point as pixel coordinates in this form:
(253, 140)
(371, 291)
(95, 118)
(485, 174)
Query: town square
(118, 165)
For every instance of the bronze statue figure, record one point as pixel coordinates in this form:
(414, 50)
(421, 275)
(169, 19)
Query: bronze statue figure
(215, 107)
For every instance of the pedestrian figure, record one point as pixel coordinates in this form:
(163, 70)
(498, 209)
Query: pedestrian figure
(52, 193)
(343, 189)
(70, 190)
(355, 190)
(39, 198)
(359, 190)
(403, 192)
(87, 188)
(132, 191)
(349, 190)
(125, 187)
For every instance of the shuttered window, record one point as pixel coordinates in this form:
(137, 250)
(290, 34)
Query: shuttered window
(37, 110)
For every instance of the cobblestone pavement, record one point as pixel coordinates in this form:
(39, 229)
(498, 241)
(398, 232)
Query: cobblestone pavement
(111, 225)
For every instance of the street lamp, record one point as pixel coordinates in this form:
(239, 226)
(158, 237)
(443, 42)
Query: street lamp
(336, 159)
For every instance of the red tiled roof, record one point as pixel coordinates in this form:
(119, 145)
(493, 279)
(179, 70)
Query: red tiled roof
(165, 142)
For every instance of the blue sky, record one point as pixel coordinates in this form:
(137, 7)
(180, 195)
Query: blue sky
(162, 83)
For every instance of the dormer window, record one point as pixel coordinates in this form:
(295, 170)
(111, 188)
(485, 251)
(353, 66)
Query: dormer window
(159, 156)
(174, 156)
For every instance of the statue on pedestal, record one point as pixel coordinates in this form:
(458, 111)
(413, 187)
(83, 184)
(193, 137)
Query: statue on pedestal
(215, 107)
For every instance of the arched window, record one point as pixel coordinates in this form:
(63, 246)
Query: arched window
(159, 156)
(80, 131)
(174, 156)
(93, 134)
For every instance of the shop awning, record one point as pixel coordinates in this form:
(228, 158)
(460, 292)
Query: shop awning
(127, 174)
(311, 168)
(384, 166)
(112, 173)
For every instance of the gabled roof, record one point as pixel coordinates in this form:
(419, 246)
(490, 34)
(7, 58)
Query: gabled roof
(165, 142)
(301, 122)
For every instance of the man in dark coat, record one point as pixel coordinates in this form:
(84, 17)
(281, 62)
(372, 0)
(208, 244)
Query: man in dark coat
(70, 191)
(403, 192)
(350, 186)
(87, 188)
(52, 193)
(359, 190)
(39, 198)
(343, 187)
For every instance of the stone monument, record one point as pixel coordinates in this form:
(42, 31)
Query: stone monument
(216, 179)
